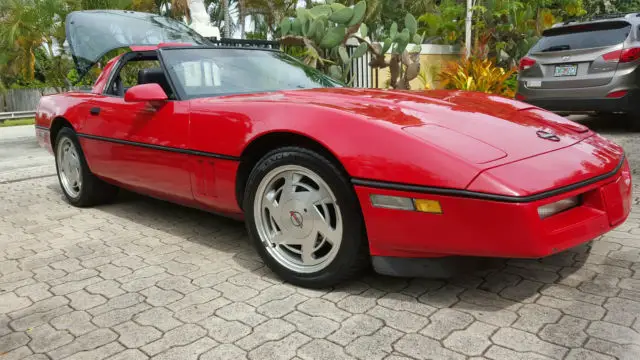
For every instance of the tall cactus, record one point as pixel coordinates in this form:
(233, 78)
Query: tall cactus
(325, 29)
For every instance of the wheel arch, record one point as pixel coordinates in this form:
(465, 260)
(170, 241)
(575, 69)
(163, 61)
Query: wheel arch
(265, 143)
(56, 125)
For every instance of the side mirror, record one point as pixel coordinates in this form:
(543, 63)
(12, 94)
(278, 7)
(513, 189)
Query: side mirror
(152, 93)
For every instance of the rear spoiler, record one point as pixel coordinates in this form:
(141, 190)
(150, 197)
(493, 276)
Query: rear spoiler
(596, 26)
(608, 16)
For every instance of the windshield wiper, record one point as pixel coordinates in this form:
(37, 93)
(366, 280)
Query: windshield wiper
(557, 48)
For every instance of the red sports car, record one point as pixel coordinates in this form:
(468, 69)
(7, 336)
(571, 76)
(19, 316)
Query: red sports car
(328, 179)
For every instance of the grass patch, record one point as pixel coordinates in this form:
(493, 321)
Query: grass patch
(17, 122)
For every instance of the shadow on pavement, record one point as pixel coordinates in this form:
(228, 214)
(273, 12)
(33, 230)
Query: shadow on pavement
(498, 285)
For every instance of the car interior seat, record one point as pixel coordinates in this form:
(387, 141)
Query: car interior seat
(157, 76)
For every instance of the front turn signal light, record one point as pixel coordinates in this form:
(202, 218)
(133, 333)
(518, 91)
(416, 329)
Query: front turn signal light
(428, 206)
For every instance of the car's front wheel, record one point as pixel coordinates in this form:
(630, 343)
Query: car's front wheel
(304, 219)
(80, 186)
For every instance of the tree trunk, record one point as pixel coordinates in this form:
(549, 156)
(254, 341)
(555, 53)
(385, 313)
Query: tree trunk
(227, 18)
(272, 18)
(242, 17)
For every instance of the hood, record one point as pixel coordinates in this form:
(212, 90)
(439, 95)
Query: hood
(478, 127)
(92, 34)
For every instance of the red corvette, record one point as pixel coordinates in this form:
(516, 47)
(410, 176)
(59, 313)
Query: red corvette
(329, 179)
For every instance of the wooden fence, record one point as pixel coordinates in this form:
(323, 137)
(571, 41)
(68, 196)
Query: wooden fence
(25, 99)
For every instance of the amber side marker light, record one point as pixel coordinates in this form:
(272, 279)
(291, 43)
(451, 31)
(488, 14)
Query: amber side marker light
(404, 203)
(428, 206)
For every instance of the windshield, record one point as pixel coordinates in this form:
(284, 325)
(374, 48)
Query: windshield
(205, 72)
(91, 34)
(583, 36)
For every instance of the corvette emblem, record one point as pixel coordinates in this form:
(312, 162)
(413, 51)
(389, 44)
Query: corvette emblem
(296, 218)
(547, 135)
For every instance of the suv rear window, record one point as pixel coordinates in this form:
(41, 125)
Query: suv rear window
(584, 36)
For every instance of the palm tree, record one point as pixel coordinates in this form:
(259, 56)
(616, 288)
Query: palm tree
(175, 8)
(419, 7)
(180, 8)
(242, 16)
(25, 26)
(227, 18)
(222, 13)
(270, 11)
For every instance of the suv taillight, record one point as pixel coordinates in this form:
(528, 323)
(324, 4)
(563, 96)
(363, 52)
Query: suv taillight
(526, 63)
(622, 56)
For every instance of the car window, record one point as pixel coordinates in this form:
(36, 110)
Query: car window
(583, 36)
(129, 72)
(200, 72)
(91, 34)
(128, 76)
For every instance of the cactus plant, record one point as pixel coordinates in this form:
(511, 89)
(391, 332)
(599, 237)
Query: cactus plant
(325, 29)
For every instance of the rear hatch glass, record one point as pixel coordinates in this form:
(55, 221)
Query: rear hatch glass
(93, 33)
(573, 56)
(585, 36)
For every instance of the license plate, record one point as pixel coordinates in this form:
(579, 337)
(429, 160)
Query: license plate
(534, 83)
(566, 70)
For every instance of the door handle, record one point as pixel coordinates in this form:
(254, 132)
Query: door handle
(95, 111)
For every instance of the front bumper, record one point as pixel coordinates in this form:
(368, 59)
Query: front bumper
(44, 138)
(490, 228)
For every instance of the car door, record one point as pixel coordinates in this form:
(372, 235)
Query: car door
(140, 146)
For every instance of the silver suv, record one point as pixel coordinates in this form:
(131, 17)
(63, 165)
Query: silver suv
(591, 66)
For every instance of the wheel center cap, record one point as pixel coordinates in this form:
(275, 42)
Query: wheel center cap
(296, 219)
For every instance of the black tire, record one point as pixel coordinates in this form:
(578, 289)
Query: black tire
(353, 255)
(93, 191)
(633, 122)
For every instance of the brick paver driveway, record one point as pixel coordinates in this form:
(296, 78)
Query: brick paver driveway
(144, 279)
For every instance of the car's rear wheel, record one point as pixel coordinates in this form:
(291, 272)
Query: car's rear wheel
(304, 219)
(79, 185)
(633, 121)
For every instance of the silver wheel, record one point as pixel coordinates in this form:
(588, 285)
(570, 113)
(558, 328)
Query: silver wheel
(298, 219)
(69, 168)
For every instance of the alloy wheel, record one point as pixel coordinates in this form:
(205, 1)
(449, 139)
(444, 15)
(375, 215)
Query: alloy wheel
(298, 219)
(69, 167)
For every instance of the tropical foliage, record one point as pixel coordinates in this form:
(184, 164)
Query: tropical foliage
(444, 24)
(32, 31)
(503, 32)
(28, 32)
(325, 29)
(32, 35)
(270, 13)
(477, 74)
(381, 14)
(508, 27)
(611, 6)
